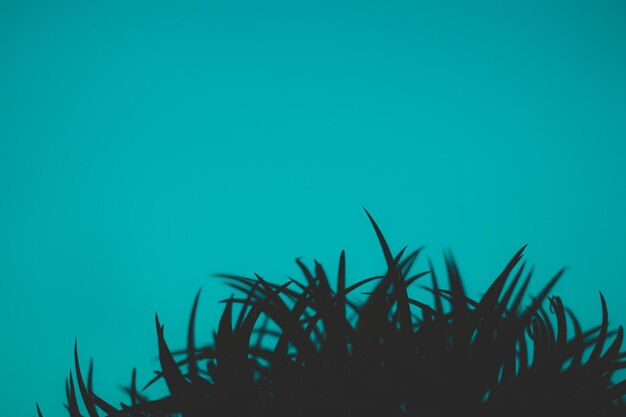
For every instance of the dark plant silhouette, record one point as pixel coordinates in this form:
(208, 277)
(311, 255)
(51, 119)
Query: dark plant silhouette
(316, 353)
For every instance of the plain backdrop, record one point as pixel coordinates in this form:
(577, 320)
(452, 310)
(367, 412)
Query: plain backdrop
(146, 145)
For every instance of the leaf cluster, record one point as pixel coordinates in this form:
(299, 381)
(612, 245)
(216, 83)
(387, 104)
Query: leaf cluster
(305, 349)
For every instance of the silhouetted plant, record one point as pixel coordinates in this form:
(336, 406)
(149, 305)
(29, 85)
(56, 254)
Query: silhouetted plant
(319, 354)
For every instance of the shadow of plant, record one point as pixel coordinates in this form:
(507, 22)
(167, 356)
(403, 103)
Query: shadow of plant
(316, 353)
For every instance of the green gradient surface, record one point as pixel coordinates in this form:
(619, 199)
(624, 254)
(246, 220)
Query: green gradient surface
(144, 146)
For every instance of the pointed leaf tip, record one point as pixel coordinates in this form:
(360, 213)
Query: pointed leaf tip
(381, 239)
(84, 391)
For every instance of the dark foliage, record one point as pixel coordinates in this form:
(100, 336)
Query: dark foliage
(316, 353)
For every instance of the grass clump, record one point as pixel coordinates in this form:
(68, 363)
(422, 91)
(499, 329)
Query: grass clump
(305, 349)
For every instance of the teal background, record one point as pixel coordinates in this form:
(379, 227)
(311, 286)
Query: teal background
(146, 145)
